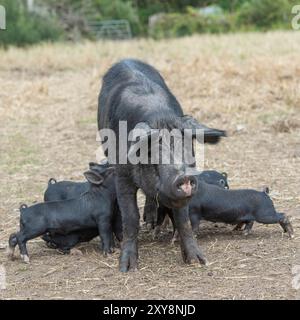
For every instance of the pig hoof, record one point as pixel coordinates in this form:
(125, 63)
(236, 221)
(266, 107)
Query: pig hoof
(128, 258)
(130, 265)
(194, 255)
(291, 235)
(199, 258)
(108, 251)
(25, 258)
(287, 226)
(246, 232)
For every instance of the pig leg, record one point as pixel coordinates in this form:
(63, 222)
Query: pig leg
(189, 246)
(195, 221)
(164, 215)
(165, 223)
(126, 193)
(150, 212)
(118, 232)
(159, 228)
(117, 224)
(113, 243)
(175, 237)
(286, 225)
(28, 233)
(167, 218)
(161, 216)
(13, 241)
(105, 232)
(22, 239)
(277, 217)
(248, 227)
(156, 232)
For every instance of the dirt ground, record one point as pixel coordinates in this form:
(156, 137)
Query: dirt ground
(247, 84)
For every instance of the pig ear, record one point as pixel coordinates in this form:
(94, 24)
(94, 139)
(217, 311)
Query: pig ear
(224, 174)
(210, 135)
(93, 177)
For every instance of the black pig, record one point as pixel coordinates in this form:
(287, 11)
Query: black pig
(64, 243)
(239, 207)
(134, 92)
(154, 216)
(63, 190)
(93, 209)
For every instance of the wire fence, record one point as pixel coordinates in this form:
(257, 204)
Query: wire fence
(111, 29)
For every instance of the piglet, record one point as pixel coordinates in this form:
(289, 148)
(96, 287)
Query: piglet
(244, 206)
(213, 177)
(93, 209)
(63, 190)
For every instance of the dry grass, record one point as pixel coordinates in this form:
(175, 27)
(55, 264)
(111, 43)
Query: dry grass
(247, 84)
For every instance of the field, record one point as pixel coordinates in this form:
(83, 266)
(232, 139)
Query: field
(247, 84)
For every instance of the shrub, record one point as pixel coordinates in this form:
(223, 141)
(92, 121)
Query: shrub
(264, 13)
(118, 9)
(24, 28)
(178, 25)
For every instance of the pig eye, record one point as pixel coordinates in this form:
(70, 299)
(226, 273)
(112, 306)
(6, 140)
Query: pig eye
(193, 183)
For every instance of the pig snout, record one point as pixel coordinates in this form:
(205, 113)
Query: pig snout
(185, 186)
